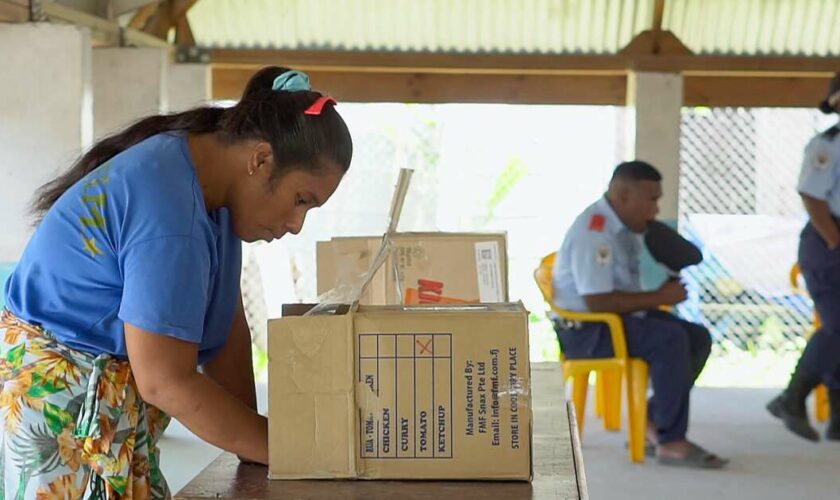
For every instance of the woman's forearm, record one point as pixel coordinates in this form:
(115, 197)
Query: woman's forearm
(215, 415)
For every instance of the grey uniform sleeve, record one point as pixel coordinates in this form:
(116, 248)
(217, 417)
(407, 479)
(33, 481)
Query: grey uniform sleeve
(819, 165)
(592, 263)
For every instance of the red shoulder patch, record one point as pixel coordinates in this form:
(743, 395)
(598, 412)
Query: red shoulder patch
(597, 223)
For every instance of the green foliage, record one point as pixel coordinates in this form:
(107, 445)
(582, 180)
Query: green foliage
(513, 173)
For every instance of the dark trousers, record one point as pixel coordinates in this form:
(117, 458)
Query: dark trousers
(821, 270)
(675, 350)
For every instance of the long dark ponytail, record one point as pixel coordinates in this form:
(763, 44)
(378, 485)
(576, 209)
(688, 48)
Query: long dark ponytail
(298, 140)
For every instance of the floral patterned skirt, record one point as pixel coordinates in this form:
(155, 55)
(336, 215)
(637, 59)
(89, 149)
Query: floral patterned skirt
(73, 424)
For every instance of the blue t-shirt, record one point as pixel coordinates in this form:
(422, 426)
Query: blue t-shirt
(132, 242)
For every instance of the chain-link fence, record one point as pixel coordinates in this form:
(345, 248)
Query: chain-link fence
(738, 200)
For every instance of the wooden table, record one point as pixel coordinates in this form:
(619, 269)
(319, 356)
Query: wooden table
(558, 466)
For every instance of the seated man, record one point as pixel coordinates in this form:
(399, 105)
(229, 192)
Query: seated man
(597, 270)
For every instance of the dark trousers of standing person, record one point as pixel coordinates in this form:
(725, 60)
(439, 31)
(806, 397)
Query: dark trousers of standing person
(820, 361)
(675, 350)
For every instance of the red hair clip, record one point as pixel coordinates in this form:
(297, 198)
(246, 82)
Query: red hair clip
(318, 105)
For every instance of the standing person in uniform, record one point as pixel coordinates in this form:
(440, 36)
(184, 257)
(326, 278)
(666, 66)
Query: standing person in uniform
(819, 260)
(125, 308)
(598, 270)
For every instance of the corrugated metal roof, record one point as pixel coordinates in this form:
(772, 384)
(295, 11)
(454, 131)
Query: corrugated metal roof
(481, 26)
(743, 27)
(747, 27)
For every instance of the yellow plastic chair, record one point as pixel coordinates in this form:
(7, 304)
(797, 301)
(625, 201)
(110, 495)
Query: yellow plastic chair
(609, 371)
(822, 409)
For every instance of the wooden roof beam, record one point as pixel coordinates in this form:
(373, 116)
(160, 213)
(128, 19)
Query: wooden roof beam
(619, 64)
(599, 89)
(172, 14)
(183, 32)
(143, 15)
(655, 43)
(658, 12)
(103, 31)
(656, 29)
(230, 81)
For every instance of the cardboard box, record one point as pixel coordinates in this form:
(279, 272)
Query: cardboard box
(401, 392)
(423, 268)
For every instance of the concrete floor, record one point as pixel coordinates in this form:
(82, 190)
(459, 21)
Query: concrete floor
(768, 463)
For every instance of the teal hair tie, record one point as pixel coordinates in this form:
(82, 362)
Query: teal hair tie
(292, 81)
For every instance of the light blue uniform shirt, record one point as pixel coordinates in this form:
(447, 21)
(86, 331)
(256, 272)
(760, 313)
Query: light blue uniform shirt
(132, 242)
(599, 255)
(820, 175)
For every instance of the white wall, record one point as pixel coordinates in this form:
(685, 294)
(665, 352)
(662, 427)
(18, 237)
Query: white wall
(45, 116)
